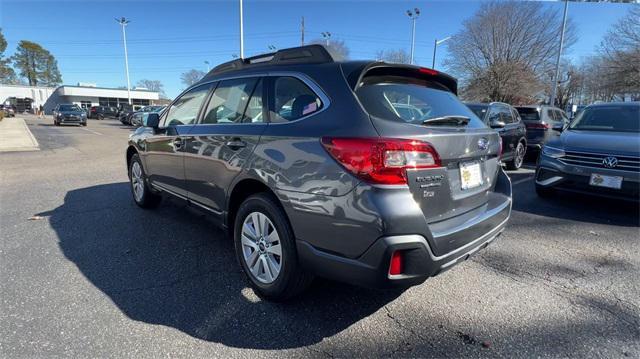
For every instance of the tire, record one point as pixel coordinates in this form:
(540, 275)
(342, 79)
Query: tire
(55, 123)
(100, 117)
(544, 192)
(142, 194)
(257, 250)
(518, 157)
(84, 124)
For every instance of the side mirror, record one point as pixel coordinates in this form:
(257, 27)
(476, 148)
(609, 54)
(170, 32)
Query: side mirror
(151, 120)
(497, 124)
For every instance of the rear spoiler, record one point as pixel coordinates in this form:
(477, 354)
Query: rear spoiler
(355, 77)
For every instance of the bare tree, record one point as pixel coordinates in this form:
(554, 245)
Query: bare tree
(505, 49)
(191, 77)
(399, 56)
(620, 50)
(337, 48)
(153, 85)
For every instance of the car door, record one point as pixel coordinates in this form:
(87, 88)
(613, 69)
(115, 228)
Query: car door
(164, 151)
(219, 146)
(508, 132)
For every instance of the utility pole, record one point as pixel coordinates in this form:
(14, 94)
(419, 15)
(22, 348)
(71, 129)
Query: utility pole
(123, 22)
(208, 67)
(554, 85)
(413, 16)
(302, 32)
(241, 33)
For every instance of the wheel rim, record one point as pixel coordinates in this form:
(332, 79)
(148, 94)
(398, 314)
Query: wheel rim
(137, 182)
(519, 155)
(261, 247)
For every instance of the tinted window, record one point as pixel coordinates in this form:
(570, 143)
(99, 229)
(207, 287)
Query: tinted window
(528, 113)
(230, 99)
(494, 114)
(184, 110)
(516, 117)
(293, 100)
(506, 115)
(385, 96)
(69, 108)
(608, 118)
(551, 115)
(479, 110)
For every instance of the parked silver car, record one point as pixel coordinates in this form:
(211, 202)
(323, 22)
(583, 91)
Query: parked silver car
(599, 153)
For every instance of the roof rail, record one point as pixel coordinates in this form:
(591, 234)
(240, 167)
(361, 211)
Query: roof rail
(296, 55)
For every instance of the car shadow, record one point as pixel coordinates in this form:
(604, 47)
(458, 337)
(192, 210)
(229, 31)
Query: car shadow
(170, 267)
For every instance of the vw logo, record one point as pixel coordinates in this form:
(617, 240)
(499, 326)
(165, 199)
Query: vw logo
(610, 162)
(483, 143)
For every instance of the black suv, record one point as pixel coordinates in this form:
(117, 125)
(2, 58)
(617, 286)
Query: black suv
(315, 168)
(102, 112)
(506, 120)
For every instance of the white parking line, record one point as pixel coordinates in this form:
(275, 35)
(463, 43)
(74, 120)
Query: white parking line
(94, 132)
(522, 180)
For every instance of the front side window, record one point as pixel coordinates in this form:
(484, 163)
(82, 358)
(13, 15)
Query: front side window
(615, 118)
(293, 100)
(479, 110)
(506, 115)
(230, 100)
(184, 110)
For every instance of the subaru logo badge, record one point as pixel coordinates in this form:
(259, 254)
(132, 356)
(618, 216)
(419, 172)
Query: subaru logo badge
(610, 162)
(483, 143)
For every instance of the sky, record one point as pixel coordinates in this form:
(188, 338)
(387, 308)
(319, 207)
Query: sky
(167, 38)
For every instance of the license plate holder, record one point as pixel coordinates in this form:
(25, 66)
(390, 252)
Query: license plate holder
(599, 180)
(470, 175)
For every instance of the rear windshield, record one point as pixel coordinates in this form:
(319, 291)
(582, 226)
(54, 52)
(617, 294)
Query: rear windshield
(608, 118)
(528, 114)
(411, 100)
(479, 110)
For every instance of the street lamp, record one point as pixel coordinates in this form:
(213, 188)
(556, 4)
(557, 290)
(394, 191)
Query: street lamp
(435, 47)
(554, 86)
(208, 67)
(123, 22)
(413, 15)
(241, 33)
(327, 36)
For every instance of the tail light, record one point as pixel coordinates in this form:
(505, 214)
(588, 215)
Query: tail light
(381, 160)
(395, 267)
(538, 126)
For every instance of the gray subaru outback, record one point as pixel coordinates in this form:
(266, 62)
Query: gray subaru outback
(365, 172)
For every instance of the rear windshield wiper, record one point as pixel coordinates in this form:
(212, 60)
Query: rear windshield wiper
(447, 120)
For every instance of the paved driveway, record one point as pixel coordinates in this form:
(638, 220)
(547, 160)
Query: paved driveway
(84, 272)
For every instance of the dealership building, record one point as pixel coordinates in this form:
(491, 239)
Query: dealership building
(83, 95)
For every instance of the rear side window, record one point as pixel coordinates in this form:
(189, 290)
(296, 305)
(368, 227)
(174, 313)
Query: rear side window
(506, 115)
(293, 99)
(230, 100)
(409, 100)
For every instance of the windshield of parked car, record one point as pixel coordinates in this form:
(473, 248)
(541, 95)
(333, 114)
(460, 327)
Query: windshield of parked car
(616, 118)
(69, 108)
(412, 101)
(479, 110)
(528, 113)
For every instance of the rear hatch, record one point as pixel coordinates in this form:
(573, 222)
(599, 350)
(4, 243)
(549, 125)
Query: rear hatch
(536, 127)
(458, 190)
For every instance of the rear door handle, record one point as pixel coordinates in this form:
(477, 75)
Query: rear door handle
(178, 142)
(236, 143)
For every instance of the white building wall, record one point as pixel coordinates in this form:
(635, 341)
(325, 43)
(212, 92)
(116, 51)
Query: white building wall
(38, 94)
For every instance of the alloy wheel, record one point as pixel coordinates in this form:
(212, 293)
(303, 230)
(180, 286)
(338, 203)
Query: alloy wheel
(261, 247)
(519, 156)
(137, 182)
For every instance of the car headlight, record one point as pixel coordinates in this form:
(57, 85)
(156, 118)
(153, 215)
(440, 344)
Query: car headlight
(554, 152)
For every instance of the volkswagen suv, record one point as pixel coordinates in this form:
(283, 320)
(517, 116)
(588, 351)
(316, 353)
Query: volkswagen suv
(314, 169)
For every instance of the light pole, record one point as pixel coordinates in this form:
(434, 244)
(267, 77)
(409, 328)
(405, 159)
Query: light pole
(413, 16)
(327, 36)
(241, 33)
(123, 22)
(208, 67)
(437, 42)
(554, 85)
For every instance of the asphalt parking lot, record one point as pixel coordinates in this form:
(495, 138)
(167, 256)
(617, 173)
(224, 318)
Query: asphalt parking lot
(86, 273)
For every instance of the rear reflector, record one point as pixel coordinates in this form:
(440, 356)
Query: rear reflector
(381, 160)
(395, 268)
